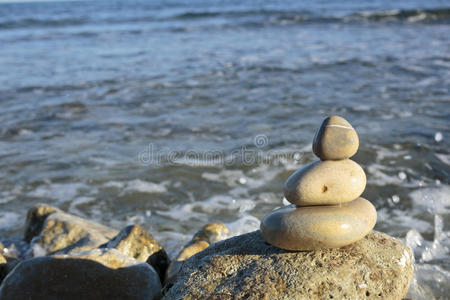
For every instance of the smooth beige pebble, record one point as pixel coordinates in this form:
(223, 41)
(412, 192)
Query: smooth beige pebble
(335, 139)
(315, 227)
(325, 183)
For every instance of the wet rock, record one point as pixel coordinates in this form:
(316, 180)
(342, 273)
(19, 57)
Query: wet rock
(35, 219)
(211, 233)
(245, 267)
(75, 278)
(8, 261)
(135, 242)
(51, 230)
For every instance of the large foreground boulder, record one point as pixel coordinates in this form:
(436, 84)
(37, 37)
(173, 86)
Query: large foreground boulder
(75, 278)
(51, 230)
(246, 267)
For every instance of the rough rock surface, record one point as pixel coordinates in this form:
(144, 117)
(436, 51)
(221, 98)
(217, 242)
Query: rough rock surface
(35, 219)
(74, 278)
(3, 267)
(202, 239)
(245, 267)
(51, 230)
(110, 258)
(135, 242)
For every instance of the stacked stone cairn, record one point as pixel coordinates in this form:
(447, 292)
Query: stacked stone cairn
(327, 210)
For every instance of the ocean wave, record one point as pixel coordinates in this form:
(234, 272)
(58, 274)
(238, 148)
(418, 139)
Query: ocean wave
(244, 18)
(412, 15)
(41, 22)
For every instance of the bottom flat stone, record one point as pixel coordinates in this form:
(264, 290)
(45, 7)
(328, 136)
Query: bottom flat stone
(316, 227)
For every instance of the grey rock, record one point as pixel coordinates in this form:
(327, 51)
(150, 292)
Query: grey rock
(245, 267)
(51, 230)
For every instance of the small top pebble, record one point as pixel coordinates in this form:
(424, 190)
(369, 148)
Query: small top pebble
(336, 139)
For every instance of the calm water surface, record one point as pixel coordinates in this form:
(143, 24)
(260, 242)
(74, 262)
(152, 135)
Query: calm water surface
(172, 114)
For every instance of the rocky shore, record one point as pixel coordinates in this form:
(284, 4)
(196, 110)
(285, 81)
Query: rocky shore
(322, 246)
(68, 257)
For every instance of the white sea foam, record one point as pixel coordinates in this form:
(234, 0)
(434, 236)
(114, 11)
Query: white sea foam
(231, 177)
(9, 220)
(439, 249)
(141, 186)
(173, 241)
(429, 282)
(9, 195)
(403, 220)
(269, 198)
(73, 208)
(258, 176)
(438, 137)
(378, 175)
(435, 199)
(202, 210)
(114, 184)
(383, 153)
(417, 18)
(103, 161)
(445, 158)
(243, 225)
(430, 278)
(62, 192)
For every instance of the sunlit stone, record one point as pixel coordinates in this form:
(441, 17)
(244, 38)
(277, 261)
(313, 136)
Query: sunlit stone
(325, 182)
(315, 227)
(335, 139)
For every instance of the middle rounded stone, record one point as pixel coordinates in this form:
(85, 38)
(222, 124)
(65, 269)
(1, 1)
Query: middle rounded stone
(325, 183)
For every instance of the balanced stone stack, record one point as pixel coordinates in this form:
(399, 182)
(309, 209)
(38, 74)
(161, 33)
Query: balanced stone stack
(327, 210)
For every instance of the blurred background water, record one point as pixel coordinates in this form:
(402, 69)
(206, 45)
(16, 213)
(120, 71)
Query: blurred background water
(92, 91)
